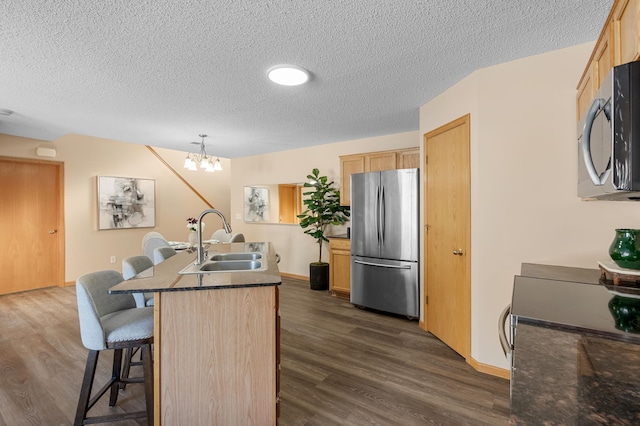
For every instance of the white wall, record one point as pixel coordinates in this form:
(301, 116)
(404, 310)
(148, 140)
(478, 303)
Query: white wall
(84, 158)
(524, 206)
(297, 249)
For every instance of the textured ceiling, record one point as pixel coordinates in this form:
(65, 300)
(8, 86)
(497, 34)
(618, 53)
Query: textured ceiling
(159, 72)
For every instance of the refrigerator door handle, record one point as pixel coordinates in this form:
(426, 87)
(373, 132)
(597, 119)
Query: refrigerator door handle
(382, 214)
(382, 265)
(378, 214)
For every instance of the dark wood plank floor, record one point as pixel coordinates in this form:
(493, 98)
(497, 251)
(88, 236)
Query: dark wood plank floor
(340, 366)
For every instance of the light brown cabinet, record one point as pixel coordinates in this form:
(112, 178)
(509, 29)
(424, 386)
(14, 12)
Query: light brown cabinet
(374, 162)
(340, 267)
(618, 44)
(409, 159)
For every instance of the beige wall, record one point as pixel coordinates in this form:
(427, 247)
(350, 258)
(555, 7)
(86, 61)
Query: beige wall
(524, 206)
(84, 158)
(297, 249)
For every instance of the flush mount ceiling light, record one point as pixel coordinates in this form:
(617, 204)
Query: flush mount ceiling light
(288, 75)
(206, 161)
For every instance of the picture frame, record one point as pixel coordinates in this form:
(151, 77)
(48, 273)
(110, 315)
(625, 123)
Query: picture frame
(126, 202)
(256, 204)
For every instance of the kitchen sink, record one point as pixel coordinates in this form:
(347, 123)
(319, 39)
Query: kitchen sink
(228, 262)
(231, 265)
(236, 256)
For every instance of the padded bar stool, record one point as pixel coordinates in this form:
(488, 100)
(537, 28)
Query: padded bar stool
(152, 243)
(112, 322)
(237, 238)
(132, 266)
(221, 236)
(161, 254)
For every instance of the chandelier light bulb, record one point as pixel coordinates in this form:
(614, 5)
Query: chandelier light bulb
(205, 161)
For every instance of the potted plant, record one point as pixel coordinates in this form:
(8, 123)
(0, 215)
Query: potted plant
(322, 209)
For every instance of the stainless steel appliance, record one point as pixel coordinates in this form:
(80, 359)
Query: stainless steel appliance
(384, 241)
(609, 138)
(574, 345)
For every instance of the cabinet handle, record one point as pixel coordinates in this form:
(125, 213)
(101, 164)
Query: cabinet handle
(53, 231)
(458, 252)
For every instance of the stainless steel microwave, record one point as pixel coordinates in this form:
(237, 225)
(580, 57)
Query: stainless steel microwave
(609, 139)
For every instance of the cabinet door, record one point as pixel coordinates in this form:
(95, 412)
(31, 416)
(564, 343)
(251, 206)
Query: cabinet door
(625, 18)
(409, 159)
(603, 56)
(340, 269)
(585, 93)
(380, 161)
(349, 164)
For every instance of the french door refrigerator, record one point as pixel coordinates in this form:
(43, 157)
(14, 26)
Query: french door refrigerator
(384, 241)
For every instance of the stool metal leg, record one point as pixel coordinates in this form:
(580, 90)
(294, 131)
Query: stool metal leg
(87, 384)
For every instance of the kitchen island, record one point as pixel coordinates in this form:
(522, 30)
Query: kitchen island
(216, 339)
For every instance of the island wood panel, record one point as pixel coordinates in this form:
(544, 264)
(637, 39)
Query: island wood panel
(218, 356)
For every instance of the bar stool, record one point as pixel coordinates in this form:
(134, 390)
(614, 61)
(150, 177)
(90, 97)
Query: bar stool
(151, 243)
(132, 266)
(112, 322)
(160, 254)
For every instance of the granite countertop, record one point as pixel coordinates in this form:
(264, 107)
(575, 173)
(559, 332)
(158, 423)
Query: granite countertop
(574, 361)
(165, 277)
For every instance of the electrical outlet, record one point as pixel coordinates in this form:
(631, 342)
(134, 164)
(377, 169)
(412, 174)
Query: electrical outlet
(113, 259)
(238, 216)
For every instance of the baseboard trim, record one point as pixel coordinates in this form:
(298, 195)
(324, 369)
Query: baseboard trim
(478, 366)
(489, 369)
(69, 283)
(294, 276)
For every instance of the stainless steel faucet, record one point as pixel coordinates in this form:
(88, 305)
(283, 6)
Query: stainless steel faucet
(225, 224)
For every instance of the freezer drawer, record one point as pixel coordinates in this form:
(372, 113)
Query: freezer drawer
(386, 285)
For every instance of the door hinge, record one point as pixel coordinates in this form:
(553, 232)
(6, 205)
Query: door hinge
(426, 300)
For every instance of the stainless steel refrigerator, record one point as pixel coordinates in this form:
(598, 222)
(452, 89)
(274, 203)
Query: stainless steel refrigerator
(384, 241)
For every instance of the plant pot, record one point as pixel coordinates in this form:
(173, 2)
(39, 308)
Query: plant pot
(319, 276)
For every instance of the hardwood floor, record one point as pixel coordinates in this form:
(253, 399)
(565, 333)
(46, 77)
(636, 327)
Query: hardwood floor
(340, 366)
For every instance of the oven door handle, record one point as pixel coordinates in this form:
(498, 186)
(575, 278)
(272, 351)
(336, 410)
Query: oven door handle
(504, 340)
(596, 106)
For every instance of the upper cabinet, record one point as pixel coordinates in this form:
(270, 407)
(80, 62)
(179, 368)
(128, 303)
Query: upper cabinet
(374, 162)
(618, 44)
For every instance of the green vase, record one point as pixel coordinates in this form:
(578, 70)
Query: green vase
(624, 249)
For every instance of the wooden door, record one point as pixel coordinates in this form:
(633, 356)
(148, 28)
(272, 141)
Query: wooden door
(448, 225)
(31, 233)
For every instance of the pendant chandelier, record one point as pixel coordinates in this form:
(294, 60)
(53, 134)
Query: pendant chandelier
(201, 158)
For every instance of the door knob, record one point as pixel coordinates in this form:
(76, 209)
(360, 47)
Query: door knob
(53, 231)
(458, 252)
